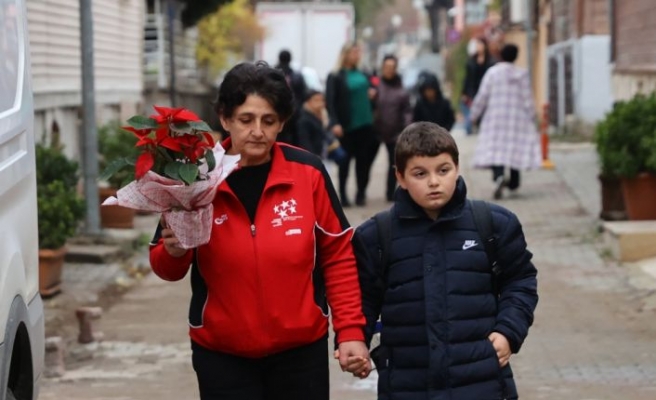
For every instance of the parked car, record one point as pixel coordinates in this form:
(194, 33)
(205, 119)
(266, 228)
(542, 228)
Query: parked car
(21, 308)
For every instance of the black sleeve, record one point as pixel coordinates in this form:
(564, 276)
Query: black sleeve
(449, 115)
(331, 99)
(416, 113)
(304, 132)
(468, 84)
(517, 282)
(372, 283)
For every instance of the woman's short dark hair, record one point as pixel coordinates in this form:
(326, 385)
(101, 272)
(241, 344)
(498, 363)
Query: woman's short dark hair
(423, 139)
(257, 78)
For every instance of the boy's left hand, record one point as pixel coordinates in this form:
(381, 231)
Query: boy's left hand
(502, 347)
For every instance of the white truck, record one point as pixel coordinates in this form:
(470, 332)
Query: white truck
(314, 33)
(21, 309)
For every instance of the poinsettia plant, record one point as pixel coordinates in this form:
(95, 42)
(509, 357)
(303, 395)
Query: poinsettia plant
(177, 171)
(174, 143)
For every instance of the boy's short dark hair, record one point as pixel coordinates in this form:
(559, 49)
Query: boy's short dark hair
(509, 53)
(423, 139)
(254, 78)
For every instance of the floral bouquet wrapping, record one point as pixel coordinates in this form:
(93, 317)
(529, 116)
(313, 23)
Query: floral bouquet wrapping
(177, 172)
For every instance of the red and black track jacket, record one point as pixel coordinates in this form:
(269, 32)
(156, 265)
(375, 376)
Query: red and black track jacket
(258, 289)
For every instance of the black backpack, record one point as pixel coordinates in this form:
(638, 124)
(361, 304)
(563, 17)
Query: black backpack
(482, 219)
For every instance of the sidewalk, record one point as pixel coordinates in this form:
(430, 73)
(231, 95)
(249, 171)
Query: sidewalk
(593, 338)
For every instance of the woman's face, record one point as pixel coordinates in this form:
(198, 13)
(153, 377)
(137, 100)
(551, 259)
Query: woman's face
(480, 47)
(353, 57)
(389, 69)
(253, 128)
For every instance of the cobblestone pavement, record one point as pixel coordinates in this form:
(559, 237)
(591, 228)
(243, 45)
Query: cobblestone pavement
(593, 338)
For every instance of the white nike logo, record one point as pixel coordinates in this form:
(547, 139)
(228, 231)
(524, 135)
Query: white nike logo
(469, 244)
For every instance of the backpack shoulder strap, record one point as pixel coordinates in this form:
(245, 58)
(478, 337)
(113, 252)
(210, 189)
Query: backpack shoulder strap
(483, 221)
(384, 227)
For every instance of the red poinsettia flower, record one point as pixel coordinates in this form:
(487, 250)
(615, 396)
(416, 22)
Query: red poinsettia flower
(175, 142)
(173, 115)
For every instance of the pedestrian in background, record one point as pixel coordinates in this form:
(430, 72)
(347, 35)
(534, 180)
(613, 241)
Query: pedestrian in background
(312, 133)
(432, 106)
(477, 65)
(393, 112)
(508, 133)
(258, 318)
(451, 314)
(349, 95)
(296, 82)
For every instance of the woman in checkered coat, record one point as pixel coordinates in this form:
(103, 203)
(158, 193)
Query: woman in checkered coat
(508, 136)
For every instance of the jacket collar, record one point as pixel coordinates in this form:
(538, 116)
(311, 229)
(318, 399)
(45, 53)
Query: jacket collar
(280, 173)
(406, 208)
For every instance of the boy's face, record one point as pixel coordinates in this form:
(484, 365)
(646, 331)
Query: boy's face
(430, 181)
(316, 103)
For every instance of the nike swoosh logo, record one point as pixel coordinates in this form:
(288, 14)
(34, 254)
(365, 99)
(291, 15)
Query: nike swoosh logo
(469, 246)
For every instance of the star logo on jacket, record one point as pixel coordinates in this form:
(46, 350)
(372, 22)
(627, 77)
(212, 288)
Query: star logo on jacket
(285, 211)
(469, 244)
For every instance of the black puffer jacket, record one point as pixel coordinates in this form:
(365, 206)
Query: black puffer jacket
(439, 307)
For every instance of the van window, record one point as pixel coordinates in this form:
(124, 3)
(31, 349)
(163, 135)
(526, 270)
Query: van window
(8, 53)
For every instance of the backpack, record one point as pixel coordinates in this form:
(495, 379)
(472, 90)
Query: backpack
(482, 219)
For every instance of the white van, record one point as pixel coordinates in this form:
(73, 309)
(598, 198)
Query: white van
(21, 309)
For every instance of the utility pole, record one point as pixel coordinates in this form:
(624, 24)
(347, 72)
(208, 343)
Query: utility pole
(171, 14)
(89, 130)
(529, 40)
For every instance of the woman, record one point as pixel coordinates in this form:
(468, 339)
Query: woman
(477, 65)
(258, 316)
(393, 114)
(432, 106)
(348, 100)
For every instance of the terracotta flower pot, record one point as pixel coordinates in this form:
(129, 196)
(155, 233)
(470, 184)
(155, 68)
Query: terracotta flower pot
(115, 216)
(612, 199)
(51, 263)
(639, 196)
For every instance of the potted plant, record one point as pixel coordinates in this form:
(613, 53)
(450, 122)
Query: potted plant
(612, 198)
(115, 143)
(60, 209)
(626, 141)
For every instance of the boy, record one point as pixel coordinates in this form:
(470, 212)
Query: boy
(449, 325)
(312, 134)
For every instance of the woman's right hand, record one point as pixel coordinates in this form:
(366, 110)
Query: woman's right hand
(338, 131)
(171, 243)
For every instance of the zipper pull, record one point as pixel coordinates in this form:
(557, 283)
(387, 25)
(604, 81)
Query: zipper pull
(252, 229)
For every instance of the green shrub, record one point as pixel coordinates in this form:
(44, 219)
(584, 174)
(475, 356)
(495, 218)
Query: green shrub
(60, 208)
(115, 143)
(626, 138)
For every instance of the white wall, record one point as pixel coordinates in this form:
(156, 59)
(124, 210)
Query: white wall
(593, 92)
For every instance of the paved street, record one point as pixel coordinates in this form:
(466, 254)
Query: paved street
(594, 337)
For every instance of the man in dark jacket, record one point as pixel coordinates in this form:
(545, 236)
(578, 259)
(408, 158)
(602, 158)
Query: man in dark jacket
(449, 325)
(296, 82)
(432, 106)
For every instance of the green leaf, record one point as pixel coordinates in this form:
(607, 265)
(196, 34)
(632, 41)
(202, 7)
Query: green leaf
(172, 170)
(189, 173)
(141, 122)
(183, 127)
(211, 161)
(113, 168)
(200, 126)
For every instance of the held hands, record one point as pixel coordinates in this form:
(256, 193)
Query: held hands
(502, 347)
(354, 358)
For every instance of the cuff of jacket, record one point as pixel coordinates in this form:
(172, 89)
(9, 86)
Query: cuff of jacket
(515, 344)
(349, 335)
(168, 267)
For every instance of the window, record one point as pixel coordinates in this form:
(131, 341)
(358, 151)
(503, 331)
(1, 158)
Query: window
(9, 53)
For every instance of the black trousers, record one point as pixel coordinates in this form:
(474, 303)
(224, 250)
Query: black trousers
(499, 170)
(391, 176)
(361, 144)
(296, 374)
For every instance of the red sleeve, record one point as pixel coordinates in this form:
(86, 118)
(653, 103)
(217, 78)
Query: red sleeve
(166, 266)
(338, 263)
